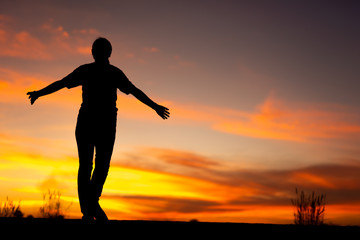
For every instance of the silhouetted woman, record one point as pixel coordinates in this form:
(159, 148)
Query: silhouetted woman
(96, 123)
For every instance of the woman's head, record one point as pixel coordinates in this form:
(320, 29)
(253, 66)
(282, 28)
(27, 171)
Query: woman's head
(101, 49)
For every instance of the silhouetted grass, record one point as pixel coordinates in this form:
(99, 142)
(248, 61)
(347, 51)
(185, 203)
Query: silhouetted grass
(310, 209)
(10, 209)
(52, 207)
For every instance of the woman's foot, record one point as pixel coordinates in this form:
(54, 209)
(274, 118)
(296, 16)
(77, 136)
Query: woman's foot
(88, 219)
(99, 213)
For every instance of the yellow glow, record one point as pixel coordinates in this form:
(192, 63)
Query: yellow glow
(127, 181)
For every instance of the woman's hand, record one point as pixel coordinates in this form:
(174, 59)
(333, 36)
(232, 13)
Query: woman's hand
(162, 111)
(33, 96)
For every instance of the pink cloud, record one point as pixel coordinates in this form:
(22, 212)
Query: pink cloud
(22, 45)
(151, 50)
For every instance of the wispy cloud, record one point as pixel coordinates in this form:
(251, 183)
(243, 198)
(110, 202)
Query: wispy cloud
(182, 158)
(267, 186)
(278, 119)
(181, 63)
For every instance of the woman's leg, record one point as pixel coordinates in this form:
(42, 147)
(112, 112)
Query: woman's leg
(104, 147)
(86, 153)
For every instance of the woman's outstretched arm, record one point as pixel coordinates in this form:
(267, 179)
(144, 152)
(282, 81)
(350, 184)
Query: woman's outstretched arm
(162, 111)
(53, 87)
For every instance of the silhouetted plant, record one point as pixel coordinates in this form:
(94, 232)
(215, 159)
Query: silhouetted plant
(9, 209)
(309, 209)
(52, 207)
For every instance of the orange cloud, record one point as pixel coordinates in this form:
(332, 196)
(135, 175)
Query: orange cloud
(52, 42)
(84, 50)
(277, 119)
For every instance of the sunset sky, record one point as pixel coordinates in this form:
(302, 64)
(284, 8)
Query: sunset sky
(263, 95)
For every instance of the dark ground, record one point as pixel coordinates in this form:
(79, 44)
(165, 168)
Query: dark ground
(74, 228)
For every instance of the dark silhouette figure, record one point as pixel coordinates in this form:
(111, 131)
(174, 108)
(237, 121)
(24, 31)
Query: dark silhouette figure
(96, 123)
